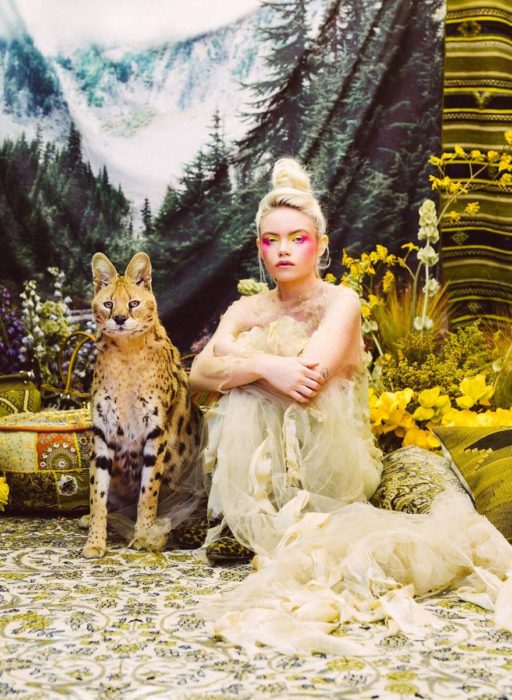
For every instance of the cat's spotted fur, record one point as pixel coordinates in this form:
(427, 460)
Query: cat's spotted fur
(146, 429)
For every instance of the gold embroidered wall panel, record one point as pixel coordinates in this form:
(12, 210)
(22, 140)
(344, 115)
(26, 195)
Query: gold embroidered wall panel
(477, 250)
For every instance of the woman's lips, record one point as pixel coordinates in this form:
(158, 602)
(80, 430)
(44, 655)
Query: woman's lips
(285, 264)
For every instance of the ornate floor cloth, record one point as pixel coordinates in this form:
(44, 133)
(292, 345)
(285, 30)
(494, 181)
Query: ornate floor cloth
(123, 627)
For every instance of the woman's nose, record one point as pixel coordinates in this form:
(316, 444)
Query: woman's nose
(284, 248)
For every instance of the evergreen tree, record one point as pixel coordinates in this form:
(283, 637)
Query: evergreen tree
(280, 100)
(72, 154)
(54, 211)
(147, 217)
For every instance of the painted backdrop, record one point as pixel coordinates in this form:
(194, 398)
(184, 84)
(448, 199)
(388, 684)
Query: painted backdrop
(156, 129)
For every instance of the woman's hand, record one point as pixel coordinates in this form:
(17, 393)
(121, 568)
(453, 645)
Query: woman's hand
(291, 376)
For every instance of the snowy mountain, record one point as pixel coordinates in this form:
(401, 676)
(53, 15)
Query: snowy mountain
(142, 113)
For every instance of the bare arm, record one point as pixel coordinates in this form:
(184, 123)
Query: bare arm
(221, 365)
(336, 345)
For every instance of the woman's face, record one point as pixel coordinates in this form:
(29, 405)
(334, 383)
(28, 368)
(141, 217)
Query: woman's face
(289, 245)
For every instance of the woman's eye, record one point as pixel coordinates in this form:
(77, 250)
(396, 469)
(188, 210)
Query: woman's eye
(108, 304)
(133, 304)
(298, 239)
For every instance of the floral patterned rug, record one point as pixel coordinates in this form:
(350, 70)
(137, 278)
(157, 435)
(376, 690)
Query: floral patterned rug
(124, 627)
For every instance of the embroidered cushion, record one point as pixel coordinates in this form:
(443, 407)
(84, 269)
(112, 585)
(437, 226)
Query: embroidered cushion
(44, 458)
(411, 479)
(18, 394)
(482, 458)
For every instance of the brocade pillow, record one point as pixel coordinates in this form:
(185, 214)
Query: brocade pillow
(412, 478)
(45, 458)
(482, 457)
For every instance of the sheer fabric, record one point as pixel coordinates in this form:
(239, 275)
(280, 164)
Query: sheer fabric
(292, 482)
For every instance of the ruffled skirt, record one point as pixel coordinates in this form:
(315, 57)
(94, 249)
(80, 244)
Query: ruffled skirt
(292, 481)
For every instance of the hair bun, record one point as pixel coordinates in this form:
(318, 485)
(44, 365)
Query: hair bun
(288, 173)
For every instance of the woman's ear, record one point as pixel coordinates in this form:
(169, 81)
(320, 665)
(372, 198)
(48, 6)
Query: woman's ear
(323, 242)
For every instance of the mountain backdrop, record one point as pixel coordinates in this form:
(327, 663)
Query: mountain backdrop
(168, 147)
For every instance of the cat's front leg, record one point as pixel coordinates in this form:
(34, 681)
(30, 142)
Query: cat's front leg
(148, 534)
(100, 472)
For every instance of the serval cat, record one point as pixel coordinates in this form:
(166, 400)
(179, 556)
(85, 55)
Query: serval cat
(146, 429)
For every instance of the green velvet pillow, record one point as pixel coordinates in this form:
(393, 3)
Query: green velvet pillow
(482, 457)
(412, 478)
(45, 458)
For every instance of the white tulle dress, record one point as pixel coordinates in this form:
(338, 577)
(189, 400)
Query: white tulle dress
(292, 482)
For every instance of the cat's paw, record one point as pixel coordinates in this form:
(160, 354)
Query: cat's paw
(94, 550)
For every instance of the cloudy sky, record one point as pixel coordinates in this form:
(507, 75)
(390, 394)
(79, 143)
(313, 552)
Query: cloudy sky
(57, 23)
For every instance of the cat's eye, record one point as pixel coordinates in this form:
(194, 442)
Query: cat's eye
(108, 304)
(132, 304)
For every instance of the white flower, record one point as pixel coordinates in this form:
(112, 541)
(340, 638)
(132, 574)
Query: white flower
(421, 323)
(428, 214)
(431, 288)
(428, 233)
(369, 326)
(427, 255)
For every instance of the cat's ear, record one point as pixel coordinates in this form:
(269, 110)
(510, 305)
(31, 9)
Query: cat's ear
(103, 272)
(139, 270)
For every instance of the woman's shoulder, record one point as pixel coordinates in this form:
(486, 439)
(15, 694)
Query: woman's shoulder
(247, 310)
(340, 294)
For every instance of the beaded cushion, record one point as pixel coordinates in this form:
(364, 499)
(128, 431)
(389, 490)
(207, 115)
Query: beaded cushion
(44, 458)
(482, 457)
(412, 478)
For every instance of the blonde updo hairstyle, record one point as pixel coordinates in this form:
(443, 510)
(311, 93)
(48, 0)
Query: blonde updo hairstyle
(291, 187)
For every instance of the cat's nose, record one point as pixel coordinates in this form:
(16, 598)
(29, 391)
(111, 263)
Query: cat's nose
(120, 320)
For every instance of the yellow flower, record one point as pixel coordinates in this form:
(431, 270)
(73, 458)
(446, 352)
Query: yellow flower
(505, 162)
(409, 246)
(381, 251)
(472, 208)
(508, 137)
(454, 216)
(388, 411)
(4, 492)
(346, 260)
(432, 406)
(423, 413)
(422, 438)
(477, 155)
(388, 281)
(434, 160)
(505, 180)
(492, 156)
(460, 152)
(454, 187)
(329, 277)
(374, 300)
(474, 391)
(429, 397)
(455, 418)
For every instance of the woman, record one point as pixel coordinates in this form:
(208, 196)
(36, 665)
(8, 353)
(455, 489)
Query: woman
(292, 461)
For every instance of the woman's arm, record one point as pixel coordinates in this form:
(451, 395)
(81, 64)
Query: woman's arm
(221, 364)
(336, 345)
